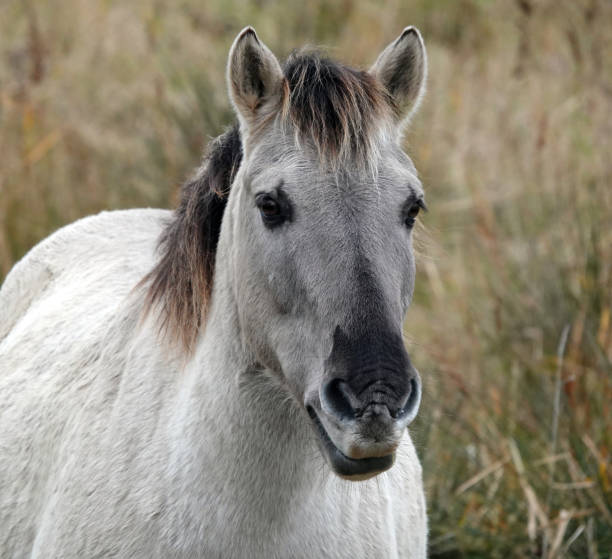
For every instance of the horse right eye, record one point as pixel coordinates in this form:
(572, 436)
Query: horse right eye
(270, 209)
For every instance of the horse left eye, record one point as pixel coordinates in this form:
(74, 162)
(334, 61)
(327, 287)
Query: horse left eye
(411, 215)
(412, 211)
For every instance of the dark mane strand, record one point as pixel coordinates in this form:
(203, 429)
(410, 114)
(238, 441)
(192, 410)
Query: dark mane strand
(181, 282)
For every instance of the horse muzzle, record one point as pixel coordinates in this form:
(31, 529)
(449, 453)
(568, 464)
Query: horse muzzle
(359, 438)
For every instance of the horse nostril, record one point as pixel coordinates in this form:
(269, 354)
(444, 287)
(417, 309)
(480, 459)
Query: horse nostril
(338, 399)
(411, 407)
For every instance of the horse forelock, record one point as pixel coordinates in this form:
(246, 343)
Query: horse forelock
(338, 109)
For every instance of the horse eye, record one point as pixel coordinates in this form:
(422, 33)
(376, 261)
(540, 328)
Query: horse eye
(411, 215)
(412, 211)
(270, 209)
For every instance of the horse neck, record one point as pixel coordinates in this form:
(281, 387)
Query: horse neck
(235, 426)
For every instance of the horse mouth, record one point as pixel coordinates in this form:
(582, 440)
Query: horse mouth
(349, 468)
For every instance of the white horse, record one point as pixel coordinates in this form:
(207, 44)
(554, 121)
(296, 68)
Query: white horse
(224, 380)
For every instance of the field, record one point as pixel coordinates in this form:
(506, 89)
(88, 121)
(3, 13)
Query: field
(107, 104)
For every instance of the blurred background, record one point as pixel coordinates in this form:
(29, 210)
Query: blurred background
(109, 104)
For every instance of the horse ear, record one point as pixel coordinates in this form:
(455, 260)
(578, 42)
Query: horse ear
(254, 77)
(402, 70)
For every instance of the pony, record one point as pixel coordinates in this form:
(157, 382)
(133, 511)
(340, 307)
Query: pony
(230, 379)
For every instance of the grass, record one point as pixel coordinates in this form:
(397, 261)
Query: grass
(106, 104)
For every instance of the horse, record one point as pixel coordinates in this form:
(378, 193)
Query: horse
(230, 379)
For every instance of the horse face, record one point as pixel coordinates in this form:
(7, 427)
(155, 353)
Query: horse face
(322, 215)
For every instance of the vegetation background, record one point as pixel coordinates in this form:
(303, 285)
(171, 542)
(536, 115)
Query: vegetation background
(108, 104)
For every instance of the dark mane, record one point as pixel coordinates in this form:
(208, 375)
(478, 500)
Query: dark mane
(181, 282)
(334, 108)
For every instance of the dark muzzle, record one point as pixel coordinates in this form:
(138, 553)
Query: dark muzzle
(371, 378)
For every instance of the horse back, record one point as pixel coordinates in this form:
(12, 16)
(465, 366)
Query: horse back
(90, 247)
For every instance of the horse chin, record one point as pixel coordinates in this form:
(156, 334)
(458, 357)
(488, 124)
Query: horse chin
(352, 469)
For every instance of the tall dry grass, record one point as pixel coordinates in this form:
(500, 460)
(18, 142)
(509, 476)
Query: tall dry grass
(107, 104)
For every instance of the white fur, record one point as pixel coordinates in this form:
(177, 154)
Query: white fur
(111, 448)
